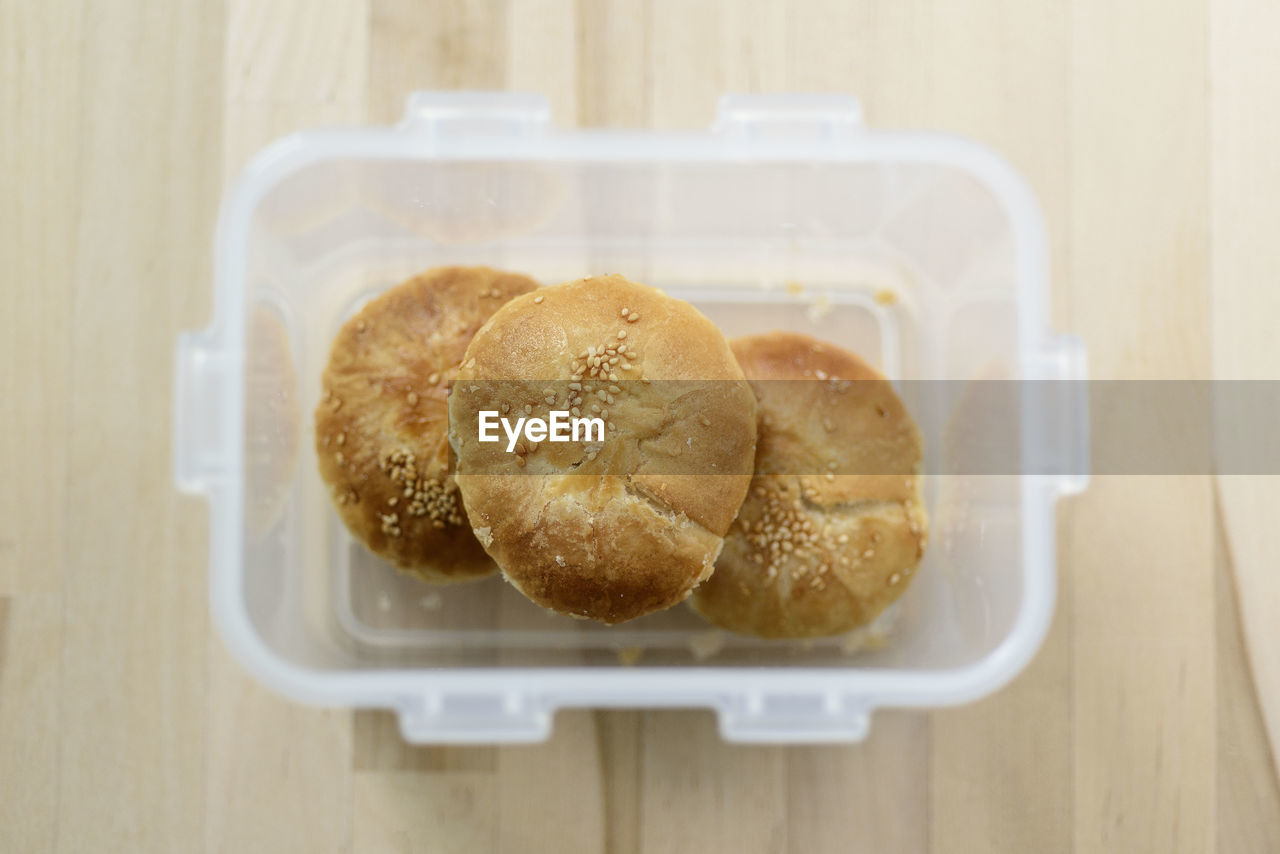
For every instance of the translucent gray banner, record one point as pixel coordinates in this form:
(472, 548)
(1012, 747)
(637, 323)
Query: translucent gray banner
(833, 426)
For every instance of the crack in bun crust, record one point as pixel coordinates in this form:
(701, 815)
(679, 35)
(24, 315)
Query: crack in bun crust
(617, 529)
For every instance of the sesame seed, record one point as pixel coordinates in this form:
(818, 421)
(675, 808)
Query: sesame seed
(609, 399)
(538, 299)
(830, 476)
(827, 425)
(622, 333)
(339, 458)
(633, 318)
(393, 500)
(602, 394)
(550, 399)
(895, 578)
(426, 496)
(842, 539)
(576, 412)
(622, 348)
(613, 378)
(704, 421)
(342, 438)
(506, 407)
(528, 410)
(413, 398)
(868, 553)
(591, 455)
(613, 389)
(433, 379)
(822, 375)
(575, 386)
(533, 446)
(625, 312)
(604, 413)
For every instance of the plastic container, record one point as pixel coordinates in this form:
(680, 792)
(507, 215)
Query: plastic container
(924, 253)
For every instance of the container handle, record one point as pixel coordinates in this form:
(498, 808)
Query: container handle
(476, 113)
(772, 116)
(199, 370)
(472, 719)
(1062, 373)
(816, 719)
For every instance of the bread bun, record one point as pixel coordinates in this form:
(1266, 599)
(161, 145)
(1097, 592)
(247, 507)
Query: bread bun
(614, 529)
(834, 526)
(382, 421)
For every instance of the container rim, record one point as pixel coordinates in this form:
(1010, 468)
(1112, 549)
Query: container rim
(699, 685)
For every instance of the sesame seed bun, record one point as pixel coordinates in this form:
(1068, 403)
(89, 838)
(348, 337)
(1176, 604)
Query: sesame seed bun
(382, 421)
(834, 526)
(615, 529)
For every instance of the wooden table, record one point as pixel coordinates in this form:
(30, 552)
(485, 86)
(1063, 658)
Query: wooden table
(1150, 720)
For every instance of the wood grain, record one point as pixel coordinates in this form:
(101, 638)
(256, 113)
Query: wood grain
(1246, 178)
(279, 777)
(1144, 711)
(1150, 719)
(38, 196)
(866, 799)
(134, 623)
(39, 173)
(29, 628)
(1248, 787)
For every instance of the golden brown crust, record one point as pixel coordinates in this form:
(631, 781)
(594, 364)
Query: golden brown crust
(382, 421)
(616, 529)
(834, 526)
